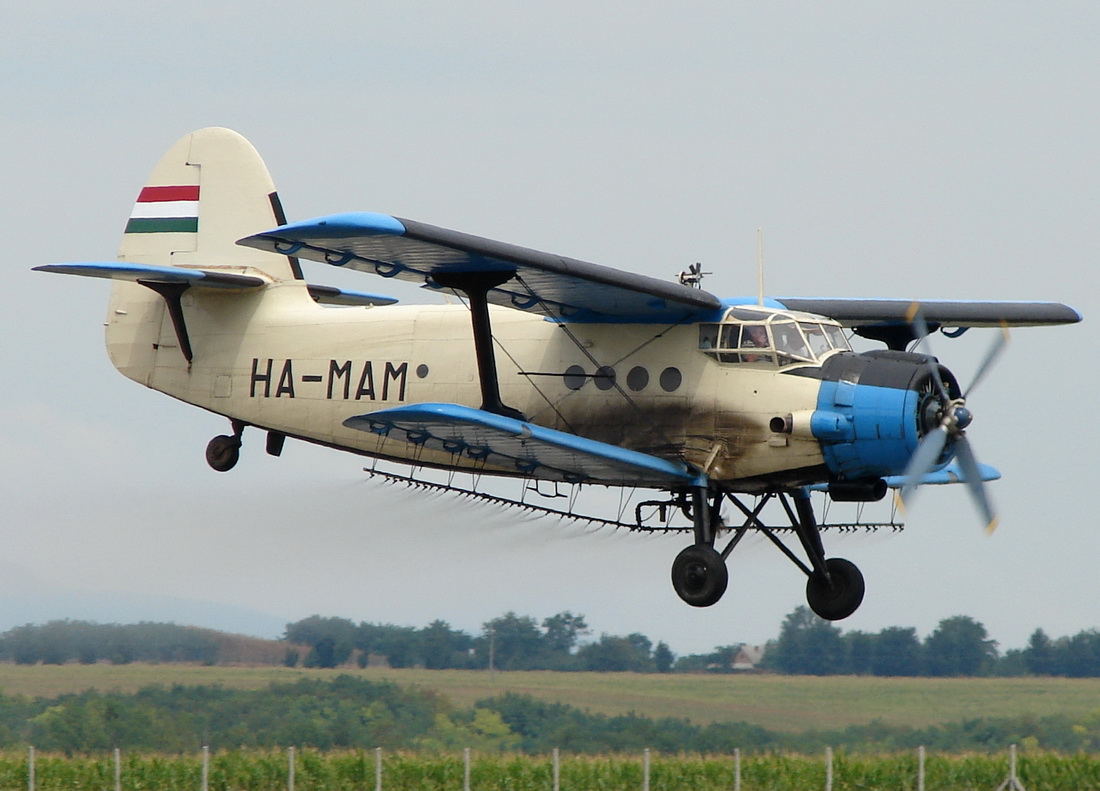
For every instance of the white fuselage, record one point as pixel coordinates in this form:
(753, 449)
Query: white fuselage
(275, 359)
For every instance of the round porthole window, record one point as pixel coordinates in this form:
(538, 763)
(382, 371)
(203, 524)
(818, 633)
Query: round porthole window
(605, 377)
(574, 377)
(671, 379)
(637, 379)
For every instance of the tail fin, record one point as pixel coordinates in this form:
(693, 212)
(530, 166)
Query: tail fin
(208, 191)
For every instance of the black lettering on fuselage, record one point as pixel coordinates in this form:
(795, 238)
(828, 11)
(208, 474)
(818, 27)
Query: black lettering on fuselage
(366, 382)
(258, 377)
(396, 374)
(339, 372)
(339, 379)
(286, 381)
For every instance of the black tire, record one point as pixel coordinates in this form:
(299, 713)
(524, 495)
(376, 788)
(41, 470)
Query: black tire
(222, 452)
(840, 599)
(699, 575)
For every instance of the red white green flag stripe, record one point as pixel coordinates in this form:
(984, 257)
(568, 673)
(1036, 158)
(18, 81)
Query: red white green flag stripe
(171, 209)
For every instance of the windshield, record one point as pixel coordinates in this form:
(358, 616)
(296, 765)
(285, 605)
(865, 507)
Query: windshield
(776, 339)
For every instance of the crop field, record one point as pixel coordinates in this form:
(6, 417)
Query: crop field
(783, 703)
(355, 770)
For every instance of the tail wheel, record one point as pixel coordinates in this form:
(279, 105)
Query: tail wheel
(699, 575)
(222, 452)
(840, 595)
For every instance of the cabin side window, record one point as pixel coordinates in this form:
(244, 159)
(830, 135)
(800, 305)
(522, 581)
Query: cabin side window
(737, 343)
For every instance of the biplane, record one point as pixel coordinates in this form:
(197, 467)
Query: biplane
(540, 367)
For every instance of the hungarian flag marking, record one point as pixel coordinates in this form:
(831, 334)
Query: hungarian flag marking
(166, 210)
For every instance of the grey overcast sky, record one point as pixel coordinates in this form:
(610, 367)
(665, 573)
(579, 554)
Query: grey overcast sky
(892, 150)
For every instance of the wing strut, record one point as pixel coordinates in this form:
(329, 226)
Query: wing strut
(173, 294)
(476, 286)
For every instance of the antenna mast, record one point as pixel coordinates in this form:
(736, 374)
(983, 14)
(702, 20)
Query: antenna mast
(760, 266)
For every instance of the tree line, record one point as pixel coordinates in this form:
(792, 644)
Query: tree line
(806, 645)
(959, 646)
(509, 642)
(58, 642)
(348, 712)
(63, 641)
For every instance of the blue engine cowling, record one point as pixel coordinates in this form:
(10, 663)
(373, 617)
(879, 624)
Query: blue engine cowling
(873, 408)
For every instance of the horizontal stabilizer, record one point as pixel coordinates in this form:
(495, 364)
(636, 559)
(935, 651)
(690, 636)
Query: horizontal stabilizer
(198, 278)
(544, 283)
(522, 448)
(330, 295)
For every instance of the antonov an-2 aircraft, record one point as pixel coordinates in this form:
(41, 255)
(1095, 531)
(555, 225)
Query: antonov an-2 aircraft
(545, 368)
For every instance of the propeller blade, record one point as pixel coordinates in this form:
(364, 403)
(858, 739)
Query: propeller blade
(990, 357)
(973, 479)
(922, 462)
(920, 328)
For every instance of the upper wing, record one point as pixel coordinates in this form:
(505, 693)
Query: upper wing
(945, 313)
(522, 448)
(543, 283)
(891, 320)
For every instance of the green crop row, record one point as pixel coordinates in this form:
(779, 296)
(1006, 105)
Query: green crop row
(355, 771)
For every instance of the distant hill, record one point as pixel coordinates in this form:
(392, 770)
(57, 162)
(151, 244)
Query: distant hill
(24, 598)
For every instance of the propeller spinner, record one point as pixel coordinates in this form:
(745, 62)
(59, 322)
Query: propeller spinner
(945, 419)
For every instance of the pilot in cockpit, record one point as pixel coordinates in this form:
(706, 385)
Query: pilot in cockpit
(754, 337)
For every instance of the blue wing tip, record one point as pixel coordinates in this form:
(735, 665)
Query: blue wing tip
(337, 226)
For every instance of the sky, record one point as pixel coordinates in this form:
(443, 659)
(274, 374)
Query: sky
(936, 150)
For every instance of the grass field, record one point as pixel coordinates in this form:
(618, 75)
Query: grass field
(785, 703)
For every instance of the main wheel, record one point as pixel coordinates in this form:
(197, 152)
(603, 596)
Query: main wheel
(841, 596)
(222, 452)
(699, 575)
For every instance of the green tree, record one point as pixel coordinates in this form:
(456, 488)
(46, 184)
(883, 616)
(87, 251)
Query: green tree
(515, 641)
(613, 653)
(443, 647)
(1080, 655)
(959, 647)
(562, 631)
(808, 645)
(401, 645)
(663, 658)
(896, 652)
(331, 640)
(860, 650)
(1039, 654)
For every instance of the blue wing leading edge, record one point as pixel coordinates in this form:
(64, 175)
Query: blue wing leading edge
(543, 283)
(522, 447)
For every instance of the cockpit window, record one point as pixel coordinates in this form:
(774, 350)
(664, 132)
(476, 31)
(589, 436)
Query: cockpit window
(838, 338)
(777, 338)
(789, 342)
(816, 337)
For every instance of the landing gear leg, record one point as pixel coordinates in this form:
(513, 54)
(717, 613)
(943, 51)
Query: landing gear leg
(699, 572)
(835, 587)
(223, 451)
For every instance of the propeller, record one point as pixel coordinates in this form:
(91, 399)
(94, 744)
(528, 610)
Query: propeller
(945, 419)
